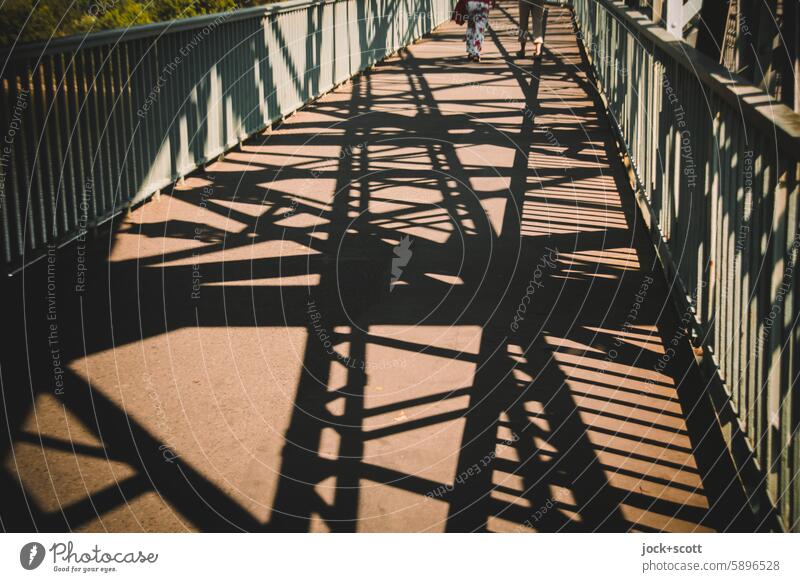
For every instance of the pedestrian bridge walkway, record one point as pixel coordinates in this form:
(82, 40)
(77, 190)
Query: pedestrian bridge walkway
(424, 302)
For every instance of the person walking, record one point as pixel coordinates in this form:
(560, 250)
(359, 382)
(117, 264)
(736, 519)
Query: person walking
(531, 9)
(477, 24)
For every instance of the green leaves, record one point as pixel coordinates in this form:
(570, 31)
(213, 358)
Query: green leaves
(22, 22)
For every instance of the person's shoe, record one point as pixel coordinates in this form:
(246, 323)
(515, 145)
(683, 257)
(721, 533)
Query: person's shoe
(537, 50)
(521, 54)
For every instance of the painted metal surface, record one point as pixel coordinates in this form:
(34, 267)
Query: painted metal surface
(97, 123)
(716, 168)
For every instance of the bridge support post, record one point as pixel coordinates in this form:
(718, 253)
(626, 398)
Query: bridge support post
(675, 18)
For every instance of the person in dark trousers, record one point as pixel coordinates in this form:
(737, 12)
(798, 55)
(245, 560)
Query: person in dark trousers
(531, 9)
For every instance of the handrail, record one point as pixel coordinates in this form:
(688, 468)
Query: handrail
(757, 105)
(111, 36)
(715, 163)
(98, 122)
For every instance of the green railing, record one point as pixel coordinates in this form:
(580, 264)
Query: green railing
(715, 165)
(96, 123)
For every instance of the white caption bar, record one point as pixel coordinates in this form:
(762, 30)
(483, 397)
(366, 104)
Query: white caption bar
(398, 557)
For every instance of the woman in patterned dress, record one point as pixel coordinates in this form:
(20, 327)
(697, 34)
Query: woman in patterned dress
(477, 24)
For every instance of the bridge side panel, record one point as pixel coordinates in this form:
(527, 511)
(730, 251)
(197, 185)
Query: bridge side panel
(95, 124)
(716, 176)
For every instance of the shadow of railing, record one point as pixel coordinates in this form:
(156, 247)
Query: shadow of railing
(102, 122)
(244, 356)
(714, 161)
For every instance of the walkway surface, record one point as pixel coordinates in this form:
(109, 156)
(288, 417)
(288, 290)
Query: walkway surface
(424, 303)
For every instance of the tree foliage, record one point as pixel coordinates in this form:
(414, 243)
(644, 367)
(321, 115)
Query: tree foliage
(31, 20)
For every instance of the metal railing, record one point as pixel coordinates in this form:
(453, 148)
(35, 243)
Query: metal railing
(96, 123)
(715, 165)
